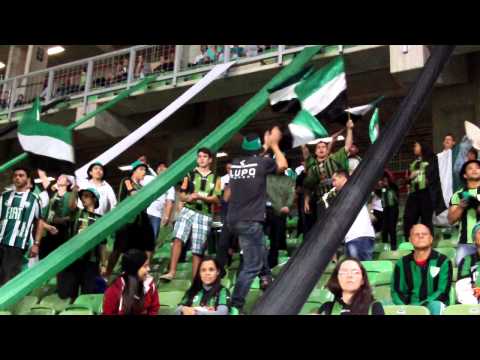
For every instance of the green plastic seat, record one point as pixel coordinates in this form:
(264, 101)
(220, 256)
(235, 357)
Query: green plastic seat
(380, 278)
(94, 302)
(43, 291)
(171, 298)
(77, 311)
(5, 313)
(24, 305)
(184, 266)
(282, 253)
(183, 275)
(283, 259)
(447, 244)
(166, 310)
(255, 283)
(55, 302)
(405, 310)
(406, 246)
(378, 266)
(226, 282)
(462, 310)
(382, 293)
(393, 255)
(41, 310)
(320, 296)
(323, 281)
(381, 247)
(174, 285)
(251, 300)
(448, 252)
(310, 308)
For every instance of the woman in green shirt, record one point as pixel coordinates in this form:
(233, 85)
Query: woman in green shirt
(206, 296)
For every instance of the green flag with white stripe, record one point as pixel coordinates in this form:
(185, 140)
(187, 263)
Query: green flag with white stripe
(50, 146)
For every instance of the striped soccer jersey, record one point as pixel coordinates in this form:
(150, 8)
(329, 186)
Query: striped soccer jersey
(18, 211)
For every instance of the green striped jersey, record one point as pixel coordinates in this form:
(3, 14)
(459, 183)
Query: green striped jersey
(18, 212)
(221, 298)
(469, 217)
(468, 268)
(420, 181)
(319, 173)
(204, 185)
(417, 285)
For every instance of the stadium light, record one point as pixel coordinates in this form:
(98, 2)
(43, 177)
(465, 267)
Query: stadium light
(55, 50)
(2, 65)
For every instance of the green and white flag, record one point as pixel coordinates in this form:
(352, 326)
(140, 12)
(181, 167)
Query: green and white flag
(360, 111)
(50, 146)
(305, 128)
(322, 95)
(374, 126)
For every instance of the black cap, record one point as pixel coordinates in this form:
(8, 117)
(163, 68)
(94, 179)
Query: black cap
(464, 167)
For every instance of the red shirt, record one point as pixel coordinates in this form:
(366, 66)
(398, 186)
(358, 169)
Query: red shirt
(421, 263)
(112, 300)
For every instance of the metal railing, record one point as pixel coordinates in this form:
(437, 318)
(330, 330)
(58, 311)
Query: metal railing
(120, 69)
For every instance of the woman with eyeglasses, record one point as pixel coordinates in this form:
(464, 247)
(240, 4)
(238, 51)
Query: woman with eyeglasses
(351, 289)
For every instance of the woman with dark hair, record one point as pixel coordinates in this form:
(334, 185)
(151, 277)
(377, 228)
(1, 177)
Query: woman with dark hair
(422, 183)
(351, 289)
(206, 296)
(134, 291)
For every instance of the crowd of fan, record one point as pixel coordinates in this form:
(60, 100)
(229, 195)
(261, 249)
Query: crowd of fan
(255, 197)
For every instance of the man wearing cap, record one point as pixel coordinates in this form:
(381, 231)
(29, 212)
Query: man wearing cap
(320, 169)
(464, 208)
(96, 174)
(82, 274)
(467, 287)
(200, 189)
(247, 197)
(137, 233)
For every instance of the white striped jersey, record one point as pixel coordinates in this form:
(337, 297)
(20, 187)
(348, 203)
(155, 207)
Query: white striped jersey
(18, 211)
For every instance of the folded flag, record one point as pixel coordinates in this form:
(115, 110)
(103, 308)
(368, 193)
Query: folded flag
(374, 127)
(50, 147)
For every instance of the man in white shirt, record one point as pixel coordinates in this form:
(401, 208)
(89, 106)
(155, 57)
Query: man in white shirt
(360, 239)
(160, 210)
(95, 174)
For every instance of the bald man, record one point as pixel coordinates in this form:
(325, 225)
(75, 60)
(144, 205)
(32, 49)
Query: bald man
(423, 277)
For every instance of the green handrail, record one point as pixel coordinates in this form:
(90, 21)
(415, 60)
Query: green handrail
(76, 247)
(12, 162)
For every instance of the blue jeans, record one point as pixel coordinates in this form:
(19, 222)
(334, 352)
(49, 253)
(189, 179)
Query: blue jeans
(361, 248)
(464, 250)
(155, 221)
(250, 237)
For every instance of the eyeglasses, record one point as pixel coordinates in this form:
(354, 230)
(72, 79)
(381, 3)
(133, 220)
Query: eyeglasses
(353, 273)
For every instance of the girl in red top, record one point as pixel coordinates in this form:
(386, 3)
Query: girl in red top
(134, 292)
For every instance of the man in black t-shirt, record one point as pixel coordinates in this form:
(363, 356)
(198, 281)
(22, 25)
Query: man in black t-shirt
(247, 196)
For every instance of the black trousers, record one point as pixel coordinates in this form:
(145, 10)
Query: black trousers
(276, 228)
(225, 241)
(78, 277)
(11, 260)
(301, 214)
(378, 225)
(310, 219)
(389, 226)
(419, 207)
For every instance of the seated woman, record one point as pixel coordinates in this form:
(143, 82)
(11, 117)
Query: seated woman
(206, 296)
(134, 292)
(353, 295)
